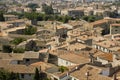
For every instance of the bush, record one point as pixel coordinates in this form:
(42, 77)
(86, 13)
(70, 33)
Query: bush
(6, 48)
(5, 75)
(30, 30)
(18, 40)
(18, 50)
(63, 69)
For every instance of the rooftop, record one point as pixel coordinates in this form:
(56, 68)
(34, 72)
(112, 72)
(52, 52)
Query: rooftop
(106, 56)
(74, 58)
(115, 25)
(76, 46)
(93, 72)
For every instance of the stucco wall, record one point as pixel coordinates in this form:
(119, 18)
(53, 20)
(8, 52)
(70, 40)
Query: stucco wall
(62, 62)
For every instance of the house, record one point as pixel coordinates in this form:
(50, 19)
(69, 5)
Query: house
(108, 46)
(10, 17)
(77, 13)
(5, 25)
(88, 72)
(105, 58)
(115, 29)
(116, 59)
(26, 72)
(76, 47)
(88, 12)
(84, 72)
(85, 39)
(103, 23)
(17, 23)
(26, 58)
(68, 59)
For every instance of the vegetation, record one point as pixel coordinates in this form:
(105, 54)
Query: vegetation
(91, 18)
(30, 30)
(116, 3)
(39, 75)
(5, 75)
(63, 69)
(47, 9)
(1, 16)
(6, 48)
(18, 50)
(18, 40)
(33, 6)
(43, 17)
(113, 14)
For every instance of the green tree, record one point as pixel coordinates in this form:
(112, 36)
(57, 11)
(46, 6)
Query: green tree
(5, 75)
(65, 19)
(91, 19)
(62, 69)
(2, 17)
(18, 40)
(85, 18)
(47, 9)
(6, 48)
(30, 30)
(33, 6)
(37, 75)
(18, 50)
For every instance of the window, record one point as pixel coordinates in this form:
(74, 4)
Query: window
(22, 75)
(18, 62)
(27, 60)
(66, 62)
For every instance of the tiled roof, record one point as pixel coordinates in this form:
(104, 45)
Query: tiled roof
(94, 73)
(115, 25)
(20, 68)
(10, 56)
(99, 22)
(43, 65)
(106, 56)
(74, 58)
(76, 46)
(31, 54)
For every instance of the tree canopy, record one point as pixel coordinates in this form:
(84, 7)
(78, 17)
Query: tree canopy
(18, 40)
(6, 48)
(1, 16)
(33, 6)
(5, 75)
(47, 9)
(30, 30)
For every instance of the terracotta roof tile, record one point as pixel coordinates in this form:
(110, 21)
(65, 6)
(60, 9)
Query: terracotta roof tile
(106, 56)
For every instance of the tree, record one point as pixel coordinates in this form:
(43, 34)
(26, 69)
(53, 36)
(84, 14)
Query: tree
(5, 75)
(18, 50)
(6, 48)
(18, 40)
(2, 17)
(30, 30)
(91, 19)
(62, 69)
(85, 18)
(33, 6)
(65, 19)
(37, 75)
(47, 9)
